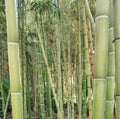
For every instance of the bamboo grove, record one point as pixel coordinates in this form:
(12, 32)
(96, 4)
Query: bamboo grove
(59, 59)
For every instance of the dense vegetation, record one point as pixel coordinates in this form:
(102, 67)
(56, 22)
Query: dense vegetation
(59, 59)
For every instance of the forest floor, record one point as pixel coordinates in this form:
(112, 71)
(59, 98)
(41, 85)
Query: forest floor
(9, 116)
(76, 117)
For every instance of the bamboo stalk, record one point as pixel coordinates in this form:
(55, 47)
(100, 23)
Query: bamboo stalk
(117, 55)
(89, 14)
(60, 95)
(111, 69)
(79, 64)
(7, 102)
(91, 47)
(21, 25)
(14, 59)
(101, 58)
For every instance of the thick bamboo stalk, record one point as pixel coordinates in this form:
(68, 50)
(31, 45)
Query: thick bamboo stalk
(117, 55)
(14, 59)
(101, 58)
(111, 70)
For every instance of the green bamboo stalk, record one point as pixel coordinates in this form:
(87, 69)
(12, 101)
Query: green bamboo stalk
(28, 93)
(21, 25)
(79, 64)
(35, 81)
(1, 97)
(69, 73)
(84, 48)
(1, 78)
(73, 83)
(6, 106)
(41, 78)
(50, 59)
(14, 59)
(101, 58)
(47, 87)
(87, 66)
(49, 100)
(117, 55)
(111, 70)
(58, 45)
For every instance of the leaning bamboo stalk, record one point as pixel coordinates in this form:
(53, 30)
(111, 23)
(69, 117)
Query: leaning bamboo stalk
(101, 58)
(48, 71)
(6, 106)
(14, 59)
(87, 8)
(117, 55)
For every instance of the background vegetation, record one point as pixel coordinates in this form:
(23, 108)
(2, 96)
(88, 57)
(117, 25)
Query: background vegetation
(57, 59)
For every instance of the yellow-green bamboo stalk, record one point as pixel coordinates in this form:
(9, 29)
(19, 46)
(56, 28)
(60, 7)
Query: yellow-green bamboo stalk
(101, 58)
(111, 70)
(117, 55)
(14, 59)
